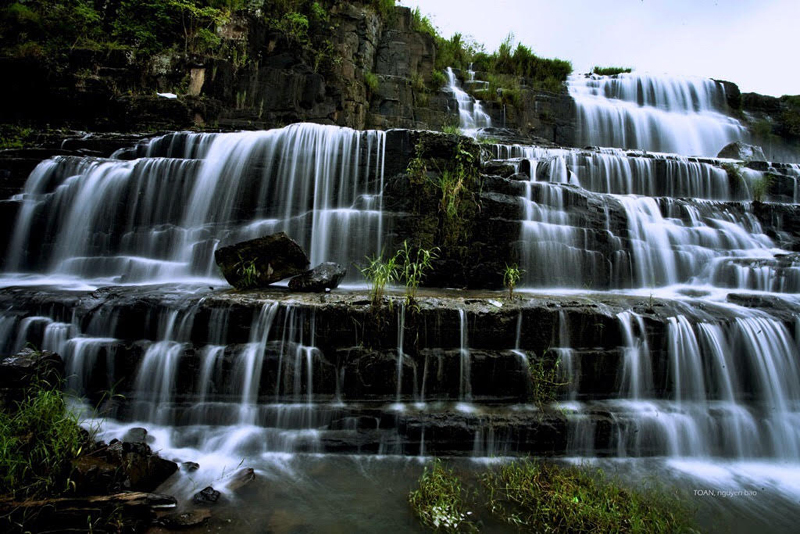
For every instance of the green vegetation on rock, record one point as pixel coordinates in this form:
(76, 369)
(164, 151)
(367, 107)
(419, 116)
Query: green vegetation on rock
(611, 71)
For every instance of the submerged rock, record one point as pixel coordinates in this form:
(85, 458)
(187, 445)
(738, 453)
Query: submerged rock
(186, 519)
(742, 151)
(241, 478)
(324, 276)
(260, 262)
(207, 495)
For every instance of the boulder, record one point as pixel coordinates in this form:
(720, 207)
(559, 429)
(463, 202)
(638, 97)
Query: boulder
(29, 366)
(121, 466)
(260, 262)
(324, 276)
(742, 151)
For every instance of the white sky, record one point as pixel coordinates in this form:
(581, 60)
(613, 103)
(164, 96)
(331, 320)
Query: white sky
(753, 43)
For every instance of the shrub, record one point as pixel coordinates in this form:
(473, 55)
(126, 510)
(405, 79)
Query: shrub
(451, 129)
(611, 71)
(438, 80)
(371, 81)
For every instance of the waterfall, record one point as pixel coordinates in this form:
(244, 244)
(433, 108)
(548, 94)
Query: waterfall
(683, 115)
(161, 216)
(470, 112)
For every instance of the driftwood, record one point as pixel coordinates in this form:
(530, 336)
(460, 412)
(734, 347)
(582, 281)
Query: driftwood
(135, 510)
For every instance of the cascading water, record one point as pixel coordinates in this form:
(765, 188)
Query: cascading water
(160, 216)
(659, 298)
(470, 112)
(660, 113)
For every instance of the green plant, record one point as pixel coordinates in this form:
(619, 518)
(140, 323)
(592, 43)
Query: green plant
(417, 82)
(452, 129)
(38, 443)
(760, 187)
(440, 502)
(611, 71)
(379, 273)
(544, 497)
(248, 274)
(544, 380)
(415, 264)
(385, 8)
(422, 24)
(438, 80)
(371, 81)
(511, 276)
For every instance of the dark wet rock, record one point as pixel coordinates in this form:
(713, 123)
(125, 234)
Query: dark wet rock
(241, 478)
(122, 512)
(25, 369)
(29, 366)
(137, 435)
(742, 151)
(122, 466)
(208, 495)
(262, 261)
(499, 168)
(324, 276)
(182, 520)
(190, 467)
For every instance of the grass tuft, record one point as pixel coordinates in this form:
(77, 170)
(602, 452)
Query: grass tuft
(440, 502)
(544, 497)
(37, 445)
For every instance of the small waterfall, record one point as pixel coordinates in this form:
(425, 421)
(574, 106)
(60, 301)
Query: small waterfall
(470, 112)
(251, 361)
(401, 325)
(160, 217)
(637, 377)
(465, 382)
(660, 113)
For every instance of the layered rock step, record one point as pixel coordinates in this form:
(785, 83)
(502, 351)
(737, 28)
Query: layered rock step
(454, 374)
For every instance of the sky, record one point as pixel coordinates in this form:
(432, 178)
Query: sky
(753, 43)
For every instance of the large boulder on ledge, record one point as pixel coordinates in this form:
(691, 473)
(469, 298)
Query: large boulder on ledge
(262, 261)
(742, 151)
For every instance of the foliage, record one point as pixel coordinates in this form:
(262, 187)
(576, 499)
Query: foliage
(440, 502)
(451, 129)
(761, 186)
(50, 28)
(611, 71)
(511, 277)
(438, 80)
(37, 444)
(248, 273)
(379, 273)
(422, 24)
(384, 8)
(12, 136)
(415, 264)
(371, 81)
(543, 497)
(544, 380)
